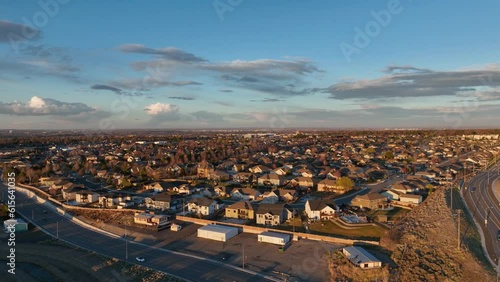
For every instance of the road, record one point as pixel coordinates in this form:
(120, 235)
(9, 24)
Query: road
(183, 266)
(370, 188)
(485, 208)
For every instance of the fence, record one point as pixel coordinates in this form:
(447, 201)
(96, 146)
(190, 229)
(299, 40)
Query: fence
(296, 235)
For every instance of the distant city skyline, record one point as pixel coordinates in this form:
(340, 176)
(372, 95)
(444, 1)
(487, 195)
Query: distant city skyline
(249, 64)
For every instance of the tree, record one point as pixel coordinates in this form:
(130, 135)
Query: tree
(345, 182)
(389, 155)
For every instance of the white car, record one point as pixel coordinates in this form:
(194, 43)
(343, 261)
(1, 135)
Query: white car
(139, 259)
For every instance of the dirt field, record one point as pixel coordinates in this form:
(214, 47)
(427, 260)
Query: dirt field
(39, 258)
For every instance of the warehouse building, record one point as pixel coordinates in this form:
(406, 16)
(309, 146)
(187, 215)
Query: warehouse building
(274, 238)
(360, 257)
(217, 232)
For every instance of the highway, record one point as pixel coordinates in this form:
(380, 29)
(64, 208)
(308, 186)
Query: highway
(186, 267)
(485, 208)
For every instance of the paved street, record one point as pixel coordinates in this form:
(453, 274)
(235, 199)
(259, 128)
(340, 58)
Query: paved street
(183, 266)
(485, 208)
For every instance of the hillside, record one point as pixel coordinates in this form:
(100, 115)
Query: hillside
(424, 246)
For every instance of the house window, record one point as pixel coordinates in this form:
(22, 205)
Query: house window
(366, 265)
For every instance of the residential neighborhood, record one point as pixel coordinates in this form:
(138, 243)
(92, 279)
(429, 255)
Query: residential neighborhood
(324, 185)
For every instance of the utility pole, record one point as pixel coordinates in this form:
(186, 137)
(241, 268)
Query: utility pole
(126, 250)
(458, 234)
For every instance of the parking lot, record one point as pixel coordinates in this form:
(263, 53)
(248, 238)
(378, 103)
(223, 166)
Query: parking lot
(303, 260)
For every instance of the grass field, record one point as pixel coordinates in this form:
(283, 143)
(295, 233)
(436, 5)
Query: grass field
(394, 214)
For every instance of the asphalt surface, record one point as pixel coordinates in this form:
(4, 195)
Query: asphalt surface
(485, 208)
(183, 266)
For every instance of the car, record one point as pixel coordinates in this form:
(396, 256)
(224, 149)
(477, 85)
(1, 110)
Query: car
(140, 259)
(473, 189)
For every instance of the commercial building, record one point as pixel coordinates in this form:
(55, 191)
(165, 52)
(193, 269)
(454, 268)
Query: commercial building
(274, 238)
(217, 232)
(360, 257)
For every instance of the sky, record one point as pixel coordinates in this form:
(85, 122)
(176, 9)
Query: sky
(68, 64)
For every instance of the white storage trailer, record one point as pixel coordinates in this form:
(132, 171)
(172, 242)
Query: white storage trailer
(274, 238)
(217, 232)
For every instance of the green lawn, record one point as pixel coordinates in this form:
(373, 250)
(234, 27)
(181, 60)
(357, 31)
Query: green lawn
(393, 214)
(332, 228)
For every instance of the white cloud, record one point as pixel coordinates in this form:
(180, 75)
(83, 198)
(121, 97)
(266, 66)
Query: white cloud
(38, 106)
(161, 108)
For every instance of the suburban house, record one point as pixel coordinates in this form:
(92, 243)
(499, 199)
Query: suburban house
(303, 172)
(221, 191)
(259, 169)
(113, 199)
(242, 177)
(320, 210)
(286, 195)
(411, 199)
(204, 169)
(69, 194)
(303, 182)
(245, 194)
(86, 196)
(240, 210)
(151, 219)
(272, 214)
(270, 197)
(162, 201)
(361, 258)
(280, 171)
(391, 195)
(158, 186)
(48, 181)
(218, 175)
(271, 180)
(330, 185)
(203, 206)
(404, 187)
(184, 189)
(372, 201)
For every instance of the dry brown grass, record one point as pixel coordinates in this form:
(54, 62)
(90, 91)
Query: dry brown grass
(342, 269)
(425, 246)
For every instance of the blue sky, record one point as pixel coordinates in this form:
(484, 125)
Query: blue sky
(240, 63)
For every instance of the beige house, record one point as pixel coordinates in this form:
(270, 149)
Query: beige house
(330, 185)
(271, 179)
(240, 210)
(372, 201)
(204, 169)
(303, 182)
(151, 219)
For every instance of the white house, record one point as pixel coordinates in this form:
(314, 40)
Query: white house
(319, 210)
(410, 198)
(360, 257)
(391, 195)
(204, 206)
